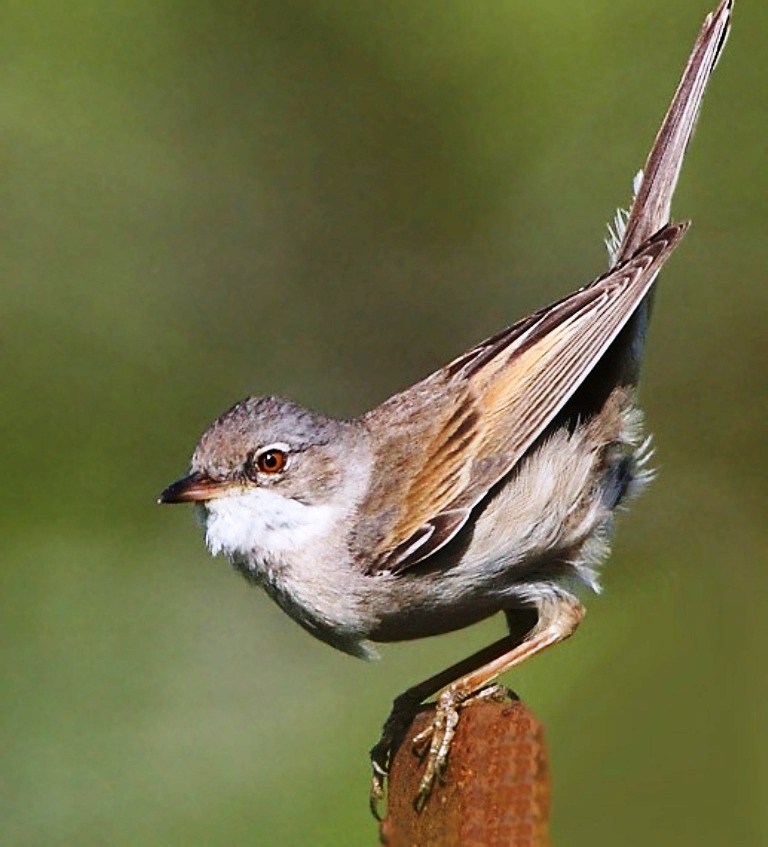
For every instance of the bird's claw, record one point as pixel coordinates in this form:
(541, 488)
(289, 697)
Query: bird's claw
(439, 734)
(432, 744)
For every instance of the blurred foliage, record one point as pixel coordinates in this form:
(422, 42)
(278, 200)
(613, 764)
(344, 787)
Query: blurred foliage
(327, 199)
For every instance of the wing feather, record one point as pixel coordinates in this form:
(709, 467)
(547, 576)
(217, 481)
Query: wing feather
(474, 419)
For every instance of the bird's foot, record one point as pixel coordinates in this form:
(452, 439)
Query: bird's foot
(434, 743)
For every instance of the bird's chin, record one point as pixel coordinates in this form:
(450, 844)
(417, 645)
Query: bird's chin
(224, 524)
(201, 514)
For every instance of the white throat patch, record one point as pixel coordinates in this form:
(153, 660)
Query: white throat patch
(263, 523)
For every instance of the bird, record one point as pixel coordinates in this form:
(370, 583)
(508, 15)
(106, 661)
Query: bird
(490, 486)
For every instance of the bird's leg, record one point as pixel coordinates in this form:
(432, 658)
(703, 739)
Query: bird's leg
(559, 615)
(405, 707)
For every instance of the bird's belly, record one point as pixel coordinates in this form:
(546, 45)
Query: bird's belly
(430, 619)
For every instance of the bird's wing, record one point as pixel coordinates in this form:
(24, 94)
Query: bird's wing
(444, 442)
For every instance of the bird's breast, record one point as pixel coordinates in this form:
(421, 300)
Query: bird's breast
(297, 553)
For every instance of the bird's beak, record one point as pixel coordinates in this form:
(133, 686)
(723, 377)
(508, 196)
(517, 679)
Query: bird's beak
(195, 488)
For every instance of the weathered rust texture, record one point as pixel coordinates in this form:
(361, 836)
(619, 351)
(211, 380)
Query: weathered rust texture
(496, 790)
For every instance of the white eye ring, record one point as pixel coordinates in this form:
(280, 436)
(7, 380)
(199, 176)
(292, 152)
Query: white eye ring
(270, 460)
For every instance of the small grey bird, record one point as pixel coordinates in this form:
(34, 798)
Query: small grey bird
(490, 486)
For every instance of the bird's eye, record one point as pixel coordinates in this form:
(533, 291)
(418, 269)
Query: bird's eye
(270, 461)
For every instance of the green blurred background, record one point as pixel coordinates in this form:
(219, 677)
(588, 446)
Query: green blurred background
(327, 200)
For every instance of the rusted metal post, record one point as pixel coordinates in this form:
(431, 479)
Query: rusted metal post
(496, 791)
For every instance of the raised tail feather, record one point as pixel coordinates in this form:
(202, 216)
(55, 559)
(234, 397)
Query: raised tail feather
(655, 184)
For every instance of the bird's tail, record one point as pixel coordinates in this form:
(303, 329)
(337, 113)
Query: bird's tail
(655, 184)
